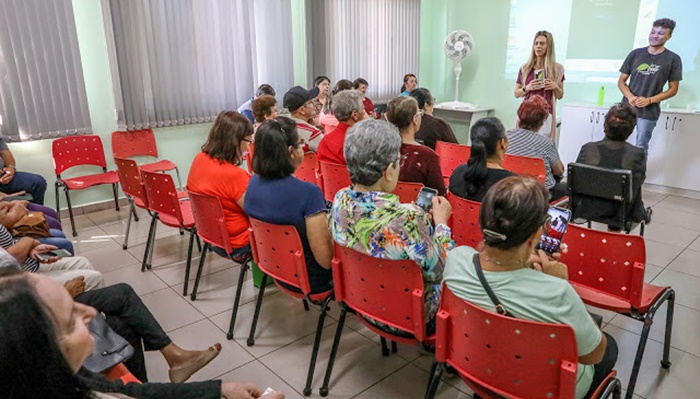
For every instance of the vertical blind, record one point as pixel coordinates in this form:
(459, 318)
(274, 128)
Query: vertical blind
(42, 91)
(378, 40)
(177, 62)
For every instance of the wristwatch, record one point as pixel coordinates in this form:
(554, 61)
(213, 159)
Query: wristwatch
(11, 166)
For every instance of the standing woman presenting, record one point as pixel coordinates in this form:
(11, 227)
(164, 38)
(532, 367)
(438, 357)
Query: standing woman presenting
(542, 75)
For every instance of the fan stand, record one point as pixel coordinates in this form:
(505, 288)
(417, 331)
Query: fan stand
(457, 104)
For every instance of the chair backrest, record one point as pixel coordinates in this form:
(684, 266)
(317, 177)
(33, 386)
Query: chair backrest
(335, 177)
(589, 185)
(162, 195)
(209, 220)
(525, 166)
(389, 291)
(306, 171)
(511, 357)
(407, 191)
(77, 150)
(249, 157)
(451, 156)
(136, 142)
(130, 179)
(465, 221)
(278, 252)
(608, 262)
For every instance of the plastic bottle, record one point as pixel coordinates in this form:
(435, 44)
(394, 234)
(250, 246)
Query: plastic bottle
(601, 96)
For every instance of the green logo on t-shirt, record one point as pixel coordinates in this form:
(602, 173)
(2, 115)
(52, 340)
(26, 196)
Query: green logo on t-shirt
(643, 67)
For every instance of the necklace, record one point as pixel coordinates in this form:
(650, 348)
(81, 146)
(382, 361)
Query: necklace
(502, 263)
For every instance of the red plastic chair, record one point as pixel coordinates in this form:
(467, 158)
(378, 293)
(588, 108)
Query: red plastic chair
(526, 166)
(607, 271)
(407, 191)
(210, 222)
(388, 291)
(75, 151)
(496, 357)
(451, 156)
(132, 186)
(334, 177)
(278, 252)
(171, 210)
(464, 221)
(120, 372)
(306, 171)
(142, 143)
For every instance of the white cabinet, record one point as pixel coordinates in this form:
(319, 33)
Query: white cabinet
(674, 149)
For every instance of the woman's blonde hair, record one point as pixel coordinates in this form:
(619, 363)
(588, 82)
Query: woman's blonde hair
(551, 69)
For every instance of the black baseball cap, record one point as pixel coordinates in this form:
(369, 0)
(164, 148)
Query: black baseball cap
(298, 96)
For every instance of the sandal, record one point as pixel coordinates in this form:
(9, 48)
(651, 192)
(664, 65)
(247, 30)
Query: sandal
(184, 373)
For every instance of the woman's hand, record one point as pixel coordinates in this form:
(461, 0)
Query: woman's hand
(7, 175)
(542, 262)
(441, 210)
(535, 85)
(549, 84)
(43, 248)
(234, 390)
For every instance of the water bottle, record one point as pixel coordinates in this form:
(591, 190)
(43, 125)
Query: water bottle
(601, 96)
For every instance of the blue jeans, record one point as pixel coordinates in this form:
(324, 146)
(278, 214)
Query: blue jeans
(31, 183)
(58, 239)
(644, 129)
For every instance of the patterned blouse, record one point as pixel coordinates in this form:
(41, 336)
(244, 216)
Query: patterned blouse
(377, 224)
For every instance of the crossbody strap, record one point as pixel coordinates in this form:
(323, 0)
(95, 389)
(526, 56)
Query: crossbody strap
(500, 309)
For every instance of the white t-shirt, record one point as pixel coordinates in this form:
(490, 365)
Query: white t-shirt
(530, 295)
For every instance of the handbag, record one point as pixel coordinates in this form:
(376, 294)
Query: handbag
(110, 348)
(32, 225)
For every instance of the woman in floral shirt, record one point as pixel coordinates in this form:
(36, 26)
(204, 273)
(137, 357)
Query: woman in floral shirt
(369, 219)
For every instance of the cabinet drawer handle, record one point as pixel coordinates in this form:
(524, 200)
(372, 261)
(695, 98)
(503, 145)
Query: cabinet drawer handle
(666, 123)
(597, 117)
(591, 116)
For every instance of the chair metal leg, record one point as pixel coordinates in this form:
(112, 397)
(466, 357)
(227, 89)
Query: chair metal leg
(70, 212)
(638, 358)
(202, 257)
(189, 260)
(239, 291)
(179, 181)
(334, 351)
(149, 240)
(306, 304)
(116, 196)
(665, 362)
(394, 349)
(385, 348)
(58, 205)
(258, 303)
(317, 343)
(434, 381)
(613, 388)
(136, 217)
(152, 248)
(132, 212)
(199, 243)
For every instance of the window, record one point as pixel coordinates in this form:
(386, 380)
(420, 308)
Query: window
(42, 92)
(177, 62)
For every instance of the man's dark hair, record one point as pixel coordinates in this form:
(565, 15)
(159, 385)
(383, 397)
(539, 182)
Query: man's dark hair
(665, 23)
(620, 121)
(265, 89)
(271, 159)
(359, 81)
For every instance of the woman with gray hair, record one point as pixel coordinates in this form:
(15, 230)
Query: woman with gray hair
(369, 219)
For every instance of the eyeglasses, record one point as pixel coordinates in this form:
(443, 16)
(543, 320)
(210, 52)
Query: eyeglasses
(248, 140)
(420, 113)
(401, 160)
(300, 143)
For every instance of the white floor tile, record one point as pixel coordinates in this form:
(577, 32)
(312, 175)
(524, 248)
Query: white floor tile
(171, 309)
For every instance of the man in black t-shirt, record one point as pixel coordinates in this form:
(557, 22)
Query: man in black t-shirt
(648, 70)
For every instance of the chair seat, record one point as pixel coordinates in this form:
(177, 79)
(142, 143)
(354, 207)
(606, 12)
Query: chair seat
(604, 301)
(187, 216)
(158, 166)
(79, 183)
(139, 203)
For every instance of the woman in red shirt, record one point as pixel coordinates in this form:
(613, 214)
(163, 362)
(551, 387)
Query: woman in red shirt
(216, 171)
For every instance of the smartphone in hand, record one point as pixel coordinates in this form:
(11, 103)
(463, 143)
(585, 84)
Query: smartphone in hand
(61, 253)
(425, 198)
(554, 229)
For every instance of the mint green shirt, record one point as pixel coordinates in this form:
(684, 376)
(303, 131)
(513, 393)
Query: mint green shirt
(531, 295)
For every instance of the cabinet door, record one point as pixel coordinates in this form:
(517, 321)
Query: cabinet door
(576, 130)
(656, 159)
(598, 123)
(682, 165)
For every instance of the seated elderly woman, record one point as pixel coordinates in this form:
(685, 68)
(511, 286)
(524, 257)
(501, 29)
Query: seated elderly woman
(275, 196)
(216, 171)
(613, 152)
(432, 129)
(44, 340)
(422, 164)
(264, 108)
(525, 141)
(369, 219)
(485, 166)
(529, 285)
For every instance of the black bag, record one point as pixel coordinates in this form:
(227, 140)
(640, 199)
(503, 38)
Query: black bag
(110, 348)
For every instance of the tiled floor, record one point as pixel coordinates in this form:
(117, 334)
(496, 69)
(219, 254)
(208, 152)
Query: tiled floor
(285, 332)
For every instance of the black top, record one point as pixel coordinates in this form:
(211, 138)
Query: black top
(614, 155)
(433, 129)
(458, 185)
(148, 390)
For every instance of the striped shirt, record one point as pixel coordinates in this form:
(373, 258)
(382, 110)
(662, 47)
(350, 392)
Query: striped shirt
(527, 143)
(6, 241)
(311, 135)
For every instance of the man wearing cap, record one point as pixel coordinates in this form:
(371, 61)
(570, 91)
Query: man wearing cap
(298, 101)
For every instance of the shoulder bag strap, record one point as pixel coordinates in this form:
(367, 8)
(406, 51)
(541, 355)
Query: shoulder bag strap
(499, 306)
